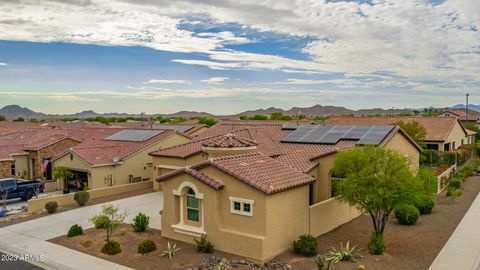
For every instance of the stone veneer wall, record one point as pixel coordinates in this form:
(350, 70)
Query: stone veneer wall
(48, 152)
(5, 169)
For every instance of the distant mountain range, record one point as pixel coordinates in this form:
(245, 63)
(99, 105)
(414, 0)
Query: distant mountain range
(470, 107)
(14, 111)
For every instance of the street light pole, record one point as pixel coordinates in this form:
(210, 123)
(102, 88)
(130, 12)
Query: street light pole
(466, 108)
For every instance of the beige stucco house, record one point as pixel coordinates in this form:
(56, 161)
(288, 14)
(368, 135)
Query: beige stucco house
(239, 187)
(119, 158)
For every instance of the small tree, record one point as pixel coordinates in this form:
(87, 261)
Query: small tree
(2, 118)
(114, 218)
(375, 180)
(416, 131)
(62, 173)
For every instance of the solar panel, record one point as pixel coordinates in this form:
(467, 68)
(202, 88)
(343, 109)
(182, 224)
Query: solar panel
(356, 133)
(334, 134)
(315, 134)
(181, 128)
(134, 135)
(375, 135)
(320, 134)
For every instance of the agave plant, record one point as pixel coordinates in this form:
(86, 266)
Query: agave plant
(345, 253)
(170, 251)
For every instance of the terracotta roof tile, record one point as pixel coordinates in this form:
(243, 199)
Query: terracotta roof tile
(102, 152)
(262, 172)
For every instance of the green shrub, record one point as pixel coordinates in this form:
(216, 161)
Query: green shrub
(222, 265)
(146, 246)
(51, 207)
(424, 203)
(75, 230)
(112, 247)
(455, 182)
(203, 245)
(376, 246)
(406, 214)
(320, 261)
(101, 222)
(81, 197)
(140, 222)
(306, 245)
(453, 192)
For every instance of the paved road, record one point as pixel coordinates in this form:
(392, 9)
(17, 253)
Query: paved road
(462, 250)
(5, 264)
(30, 237)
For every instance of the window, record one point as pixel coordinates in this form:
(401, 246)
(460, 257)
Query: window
(453, 145)
(12, 168)
(192, 206)
(446, 147)
(241, 206)
(462, 142)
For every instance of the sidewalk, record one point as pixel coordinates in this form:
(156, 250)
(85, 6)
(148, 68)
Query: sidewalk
(462, 251)
(29, 238)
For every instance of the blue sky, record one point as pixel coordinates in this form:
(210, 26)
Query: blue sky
(64, 56)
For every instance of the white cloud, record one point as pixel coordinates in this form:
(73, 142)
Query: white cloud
(215, 80)
(412, 39)
(3, 64)
(155, 81)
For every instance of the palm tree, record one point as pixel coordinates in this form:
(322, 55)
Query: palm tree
(62, 173)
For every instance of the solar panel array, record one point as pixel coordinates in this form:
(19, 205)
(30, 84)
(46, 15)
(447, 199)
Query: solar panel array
(320, 134)
(181, 128)
(134, 135)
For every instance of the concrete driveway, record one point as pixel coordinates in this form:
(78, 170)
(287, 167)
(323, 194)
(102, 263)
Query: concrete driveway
(29, 237)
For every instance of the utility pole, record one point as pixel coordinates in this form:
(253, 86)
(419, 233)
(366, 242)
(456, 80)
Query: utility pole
(466, 108)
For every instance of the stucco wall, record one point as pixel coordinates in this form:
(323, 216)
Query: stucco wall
(73, 162)
(198, 131)
(21, 165)
(403, 146)
(287, 218)
(456, 135)
(328, 215)
(35, 205)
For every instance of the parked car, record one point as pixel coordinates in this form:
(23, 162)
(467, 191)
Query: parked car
(21, 189)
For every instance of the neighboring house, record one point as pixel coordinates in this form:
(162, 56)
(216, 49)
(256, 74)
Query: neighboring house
(261, 185)
(473, 116)
(116, 159)
(27, 150)
(442, 133)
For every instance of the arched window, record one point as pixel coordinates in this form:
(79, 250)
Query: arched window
(192, 206)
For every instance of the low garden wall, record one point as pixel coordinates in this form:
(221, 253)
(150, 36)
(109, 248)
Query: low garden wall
(328, 215)
(38, 204)
(50, 186)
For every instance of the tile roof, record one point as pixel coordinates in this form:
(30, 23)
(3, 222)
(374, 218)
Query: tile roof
(255, 169)
(437, 128)
(193, 147)
(103, 152)
(196, 174)
(470, 132)
(228, 140)
(461, 113)
(6, 151)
